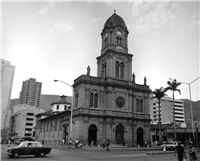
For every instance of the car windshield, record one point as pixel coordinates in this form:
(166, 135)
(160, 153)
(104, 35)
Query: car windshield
(32, 144)
(22, 144)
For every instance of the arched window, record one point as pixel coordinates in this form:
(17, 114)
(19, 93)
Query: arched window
(94, 99)
(91, 99)
(117, 69)
(118, 41)
(122, 70)
(76, 100)
(106, 41)
(111, 37)
(139, 105)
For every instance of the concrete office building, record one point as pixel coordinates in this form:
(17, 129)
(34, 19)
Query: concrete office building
(23, 121)
(167, 111)
(31, 92)
(7, 76)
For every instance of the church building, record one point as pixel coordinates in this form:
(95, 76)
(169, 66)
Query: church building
(112, 105)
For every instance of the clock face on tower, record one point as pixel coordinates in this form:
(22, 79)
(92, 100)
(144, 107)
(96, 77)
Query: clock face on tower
(119, 33)
(120, 102)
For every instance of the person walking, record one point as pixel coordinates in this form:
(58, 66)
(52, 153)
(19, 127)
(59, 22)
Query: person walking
(104, 143)
(76, 143)
(107, 145)
(180, 151)
(70, 143)
(9, 143)
(63, 142)
(192, 152)
(124, 142)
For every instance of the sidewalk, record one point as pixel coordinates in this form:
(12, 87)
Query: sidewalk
(151, 150)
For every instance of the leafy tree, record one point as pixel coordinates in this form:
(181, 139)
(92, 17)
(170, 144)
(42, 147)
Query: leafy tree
(159, 93)
(173, 86)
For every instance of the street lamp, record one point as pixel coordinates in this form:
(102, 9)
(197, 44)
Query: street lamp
(70, 133)
(191, 105)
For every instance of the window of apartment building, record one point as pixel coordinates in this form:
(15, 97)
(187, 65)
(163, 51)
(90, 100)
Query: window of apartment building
(28, 129)
(29, 124)
(28, 134)
(29, 119)
(30, 114)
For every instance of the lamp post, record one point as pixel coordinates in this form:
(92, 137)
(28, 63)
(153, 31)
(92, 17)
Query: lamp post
(191, 106)
(70, 133)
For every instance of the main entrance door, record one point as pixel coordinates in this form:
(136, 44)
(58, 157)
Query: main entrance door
(92, 134)
(140, 137)
(119, 134)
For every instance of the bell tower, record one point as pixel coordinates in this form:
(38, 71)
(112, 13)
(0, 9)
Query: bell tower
(115, 62)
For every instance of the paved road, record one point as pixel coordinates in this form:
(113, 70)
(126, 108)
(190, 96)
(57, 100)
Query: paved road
(96, 154)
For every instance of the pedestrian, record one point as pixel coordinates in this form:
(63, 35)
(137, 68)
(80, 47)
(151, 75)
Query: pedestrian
(76, 143)
(63, 142)
(92, 143)
(104, 144)
(9, 143)
(180, 151)
(124, 142)
(107, 145)
(70, 143)
(192, 152)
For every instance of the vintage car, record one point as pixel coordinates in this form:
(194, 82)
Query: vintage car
(28, 148)
(170, 145)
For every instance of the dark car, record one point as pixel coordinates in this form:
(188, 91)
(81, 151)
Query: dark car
(28, 148)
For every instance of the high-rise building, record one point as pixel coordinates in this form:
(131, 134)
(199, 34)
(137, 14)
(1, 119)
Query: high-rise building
(7, 76)
(166, 110)
(31, 92)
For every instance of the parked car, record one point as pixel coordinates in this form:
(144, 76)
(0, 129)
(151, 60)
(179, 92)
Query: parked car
(29, 148)
(170, 145)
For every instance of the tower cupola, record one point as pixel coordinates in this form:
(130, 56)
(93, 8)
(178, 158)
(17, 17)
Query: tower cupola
(115, 35)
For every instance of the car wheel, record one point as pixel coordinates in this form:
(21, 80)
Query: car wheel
(15, 154)
(42, 154)
(10, 156)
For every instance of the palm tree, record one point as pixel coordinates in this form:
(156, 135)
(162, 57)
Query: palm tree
(172, 86)
(159, 93)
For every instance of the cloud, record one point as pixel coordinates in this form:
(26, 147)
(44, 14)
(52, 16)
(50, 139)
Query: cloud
(153, 15)
(194, 22)
(64, 25)
(47, 6)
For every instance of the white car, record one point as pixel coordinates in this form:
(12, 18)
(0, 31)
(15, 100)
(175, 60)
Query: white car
(170, 145)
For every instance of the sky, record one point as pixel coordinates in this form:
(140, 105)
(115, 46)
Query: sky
(49, 40)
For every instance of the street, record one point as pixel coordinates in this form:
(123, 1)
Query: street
(92, 154)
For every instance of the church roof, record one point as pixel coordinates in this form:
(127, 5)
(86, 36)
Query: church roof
(62, 101)
(115, 20)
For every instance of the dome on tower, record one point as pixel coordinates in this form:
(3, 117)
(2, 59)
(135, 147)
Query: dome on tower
(115, 20)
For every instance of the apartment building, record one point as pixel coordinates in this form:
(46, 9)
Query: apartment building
(166, 111)
(7, 76)
(31, 92)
